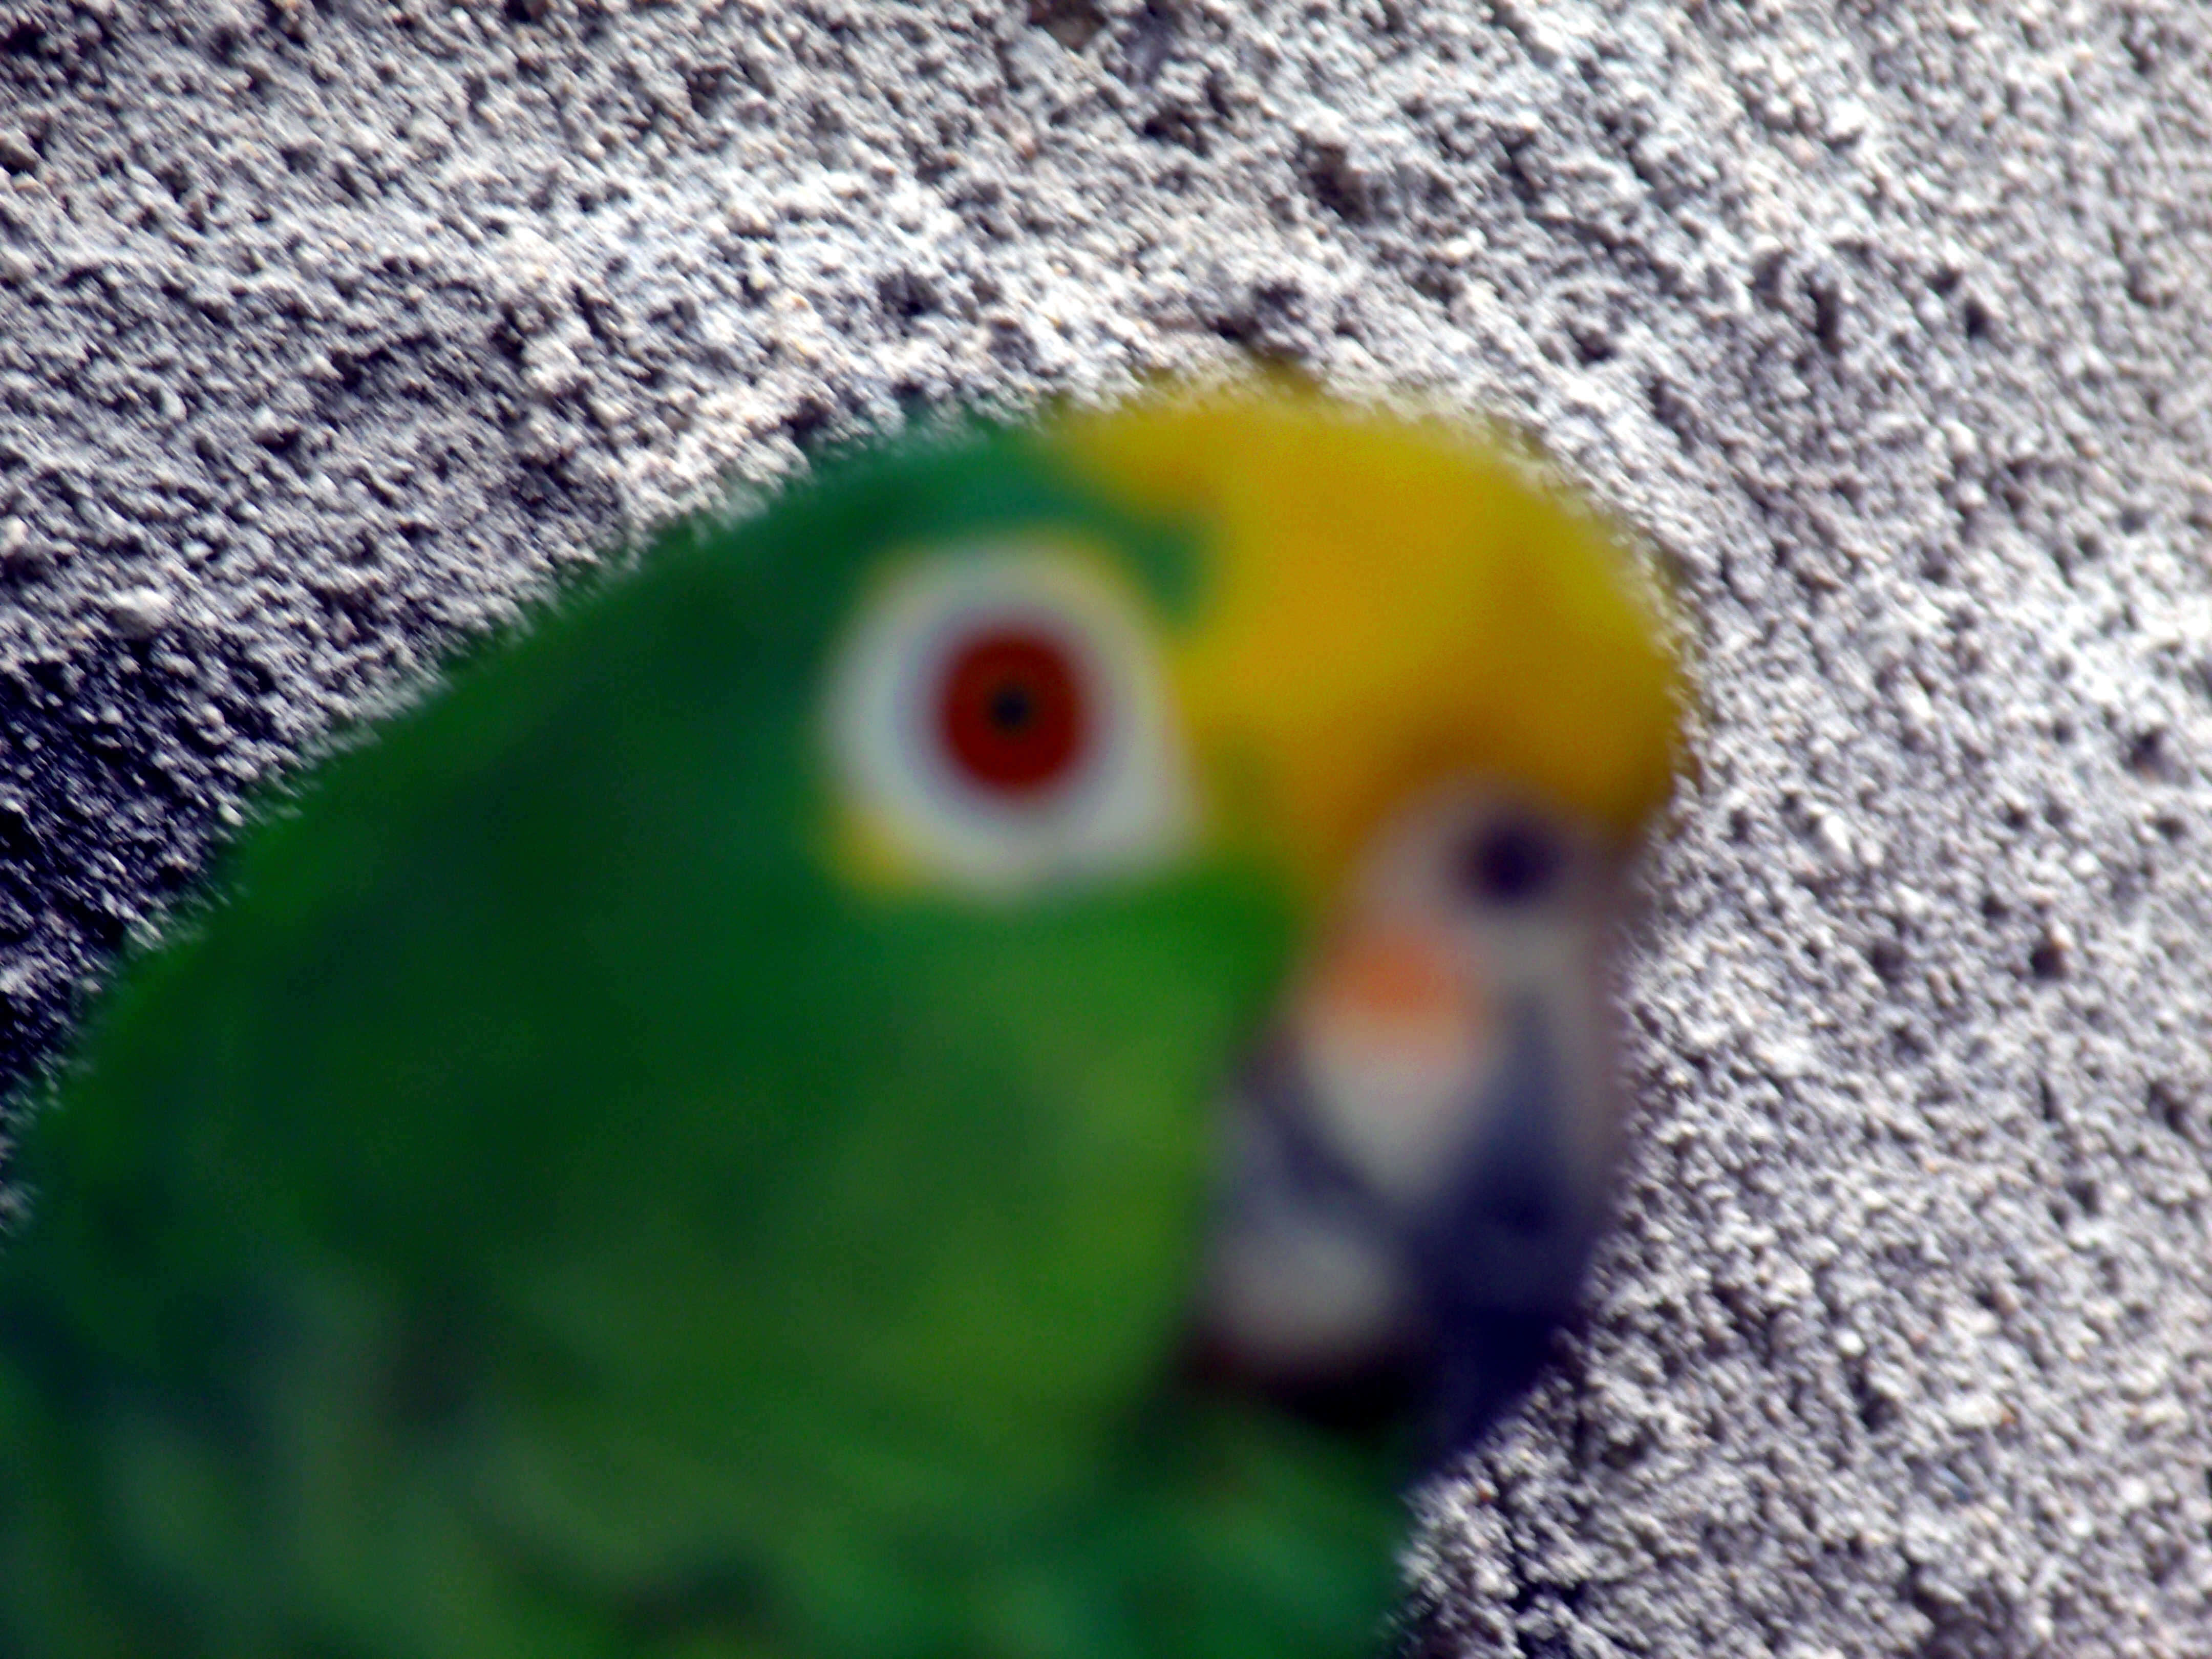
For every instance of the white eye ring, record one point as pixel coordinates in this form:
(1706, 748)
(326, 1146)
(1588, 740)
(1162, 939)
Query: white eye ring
(1107, 793)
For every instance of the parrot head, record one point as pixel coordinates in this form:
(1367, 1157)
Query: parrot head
(899, 1081)
(1411, 696)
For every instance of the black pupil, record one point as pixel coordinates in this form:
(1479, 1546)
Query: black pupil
(1510, 863)
(1012, 706)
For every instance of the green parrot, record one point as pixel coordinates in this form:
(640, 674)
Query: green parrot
(980, 1066)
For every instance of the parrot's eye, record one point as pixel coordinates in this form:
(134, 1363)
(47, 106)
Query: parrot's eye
(1014, 713)
(999, 719)
(1486, 858)
(1512, 861)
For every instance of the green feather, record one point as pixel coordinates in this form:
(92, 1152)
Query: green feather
(538, 1208)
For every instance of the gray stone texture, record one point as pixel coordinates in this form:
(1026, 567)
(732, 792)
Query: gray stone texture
(332, 332)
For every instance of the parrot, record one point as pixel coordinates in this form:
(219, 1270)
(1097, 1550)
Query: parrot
(985, 1062)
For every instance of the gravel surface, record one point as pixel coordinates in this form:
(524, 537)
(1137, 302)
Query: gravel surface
(330, 332)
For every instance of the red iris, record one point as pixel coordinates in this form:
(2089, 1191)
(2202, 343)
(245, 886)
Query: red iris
(1011, 711)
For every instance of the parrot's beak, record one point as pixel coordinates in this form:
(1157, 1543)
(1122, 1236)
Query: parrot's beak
(1417, 1156)
(1416, 1159)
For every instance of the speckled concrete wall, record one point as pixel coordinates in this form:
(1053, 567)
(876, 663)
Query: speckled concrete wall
(330, 332)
